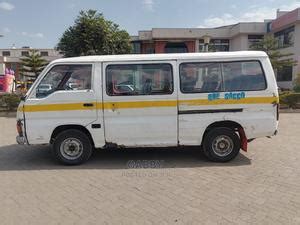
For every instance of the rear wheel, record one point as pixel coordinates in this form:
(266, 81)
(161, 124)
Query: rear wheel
(72, 147)
(221, 144)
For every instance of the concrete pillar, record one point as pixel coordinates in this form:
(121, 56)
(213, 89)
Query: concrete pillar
(197, 45)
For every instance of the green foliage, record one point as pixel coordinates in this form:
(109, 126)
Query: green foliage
(32, 65)
(290, 99)
(270, 45)
(92, 34)
(9, 102)
(297, 83)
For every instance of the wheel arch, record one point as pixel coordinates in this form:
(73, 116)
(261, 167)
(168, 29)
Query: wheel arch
(232, 125)
(61, 128)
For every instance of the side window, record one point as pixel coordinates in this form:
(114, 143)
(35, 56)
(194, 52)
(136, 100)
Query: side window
(139, 79)
(243, 76)
(65, 77)
(200, 77)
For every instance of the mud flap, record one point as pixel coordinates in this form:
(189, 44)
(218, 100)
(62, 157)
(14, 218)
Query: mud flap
(244, 141)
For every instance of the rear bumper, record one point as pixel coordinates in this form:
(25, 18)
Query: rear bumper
(21, 140)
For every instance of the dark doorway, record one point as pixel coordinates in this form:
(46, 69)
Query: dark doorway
(176, 47)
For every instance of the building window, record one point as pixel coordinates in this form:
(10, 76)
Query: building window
(254, 39)
(285, 74)
(285, 37)
(139, 79)
(176, 47)
(147, 48)
(44, 53)
(135, 47)
(6, 53)
(215, 45)
(25, 53)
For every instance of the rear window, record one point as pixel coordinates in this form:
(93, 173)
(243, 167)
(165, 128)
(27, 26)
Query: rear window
(204, 77)
(243, 76)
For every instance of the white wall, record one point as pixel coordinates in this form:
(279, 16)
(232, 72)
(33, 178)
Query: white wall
(239, 43)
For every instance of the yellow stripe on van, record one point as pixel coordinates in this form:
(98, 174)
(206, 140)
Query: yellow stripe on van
(141, 104)
(57, 107)
(146, 104)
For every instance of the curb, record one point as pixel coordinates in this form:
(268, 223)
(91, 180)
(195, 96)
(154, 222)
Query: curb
(8, 114)
(289, 110)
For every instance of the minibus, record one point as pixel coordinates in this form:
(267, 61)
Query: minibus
(217, 101)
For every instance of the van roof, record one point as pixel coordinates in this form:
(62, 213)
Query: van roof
(173, 56)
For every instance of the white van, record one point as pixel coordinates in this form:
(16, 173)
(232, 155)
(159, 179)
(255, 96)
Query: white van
(219, 101)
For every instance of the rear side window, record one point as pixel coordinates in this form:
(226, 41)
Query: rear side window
(65, 77)
(243, 76)
(200, 77)
(221, 76)
(139, 79)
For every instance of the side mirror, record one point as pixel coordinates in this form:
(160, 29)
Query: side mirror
(23, 98)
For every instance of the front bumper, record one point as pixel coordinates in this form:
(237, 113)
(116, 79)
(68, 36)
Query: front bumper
(21, 140)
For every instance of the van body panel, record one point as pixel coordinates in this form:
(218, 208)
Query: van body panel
(256, 113)
(62, 107)
(149, 120)
(98, 133)
(141, 120)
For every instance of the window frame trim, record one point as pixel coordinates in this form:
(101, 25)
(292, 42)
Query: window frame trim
(222, 74)
(135, 64)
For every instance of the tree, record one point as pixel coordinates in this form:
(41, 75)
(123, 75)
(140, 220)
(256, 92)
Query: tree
(270, 45)
(92, 34)
(32, 65)
(297, 83)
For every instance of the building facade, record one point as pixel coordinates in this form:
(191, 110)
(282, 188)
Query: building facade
(10, 58)
(236, 37)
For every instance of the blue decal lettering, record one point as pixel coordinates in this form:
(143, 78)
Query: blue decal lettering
(235, 95)
(213, 96)
(243, 94)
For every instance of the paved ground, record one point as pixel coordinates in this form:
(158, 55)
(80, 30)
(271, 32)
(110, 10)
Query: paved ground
(259, 187)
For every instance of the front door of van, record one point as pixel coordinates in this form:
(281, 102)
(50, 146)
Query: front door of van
(64, 96)
(140, 103)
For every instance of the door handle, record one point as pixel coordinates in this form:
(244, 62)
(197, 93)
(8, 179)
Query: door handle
(113, 107)
(88, 104)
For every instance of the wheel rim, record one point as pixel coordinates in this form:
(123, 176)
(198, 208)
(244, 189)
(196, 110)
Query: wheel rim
(222, 145)
(71, 148)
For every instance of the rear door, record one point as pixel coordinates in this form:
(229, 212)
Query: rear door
(140, 103)
(235, 90)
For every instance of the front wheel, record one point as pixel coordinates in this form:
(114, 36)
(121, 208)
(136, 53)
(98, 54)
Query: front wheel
(72, 147)
(221, 144)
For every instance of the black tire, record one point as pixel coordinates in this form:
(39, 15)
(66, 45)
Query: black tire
(70, 142)
(218, 137)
